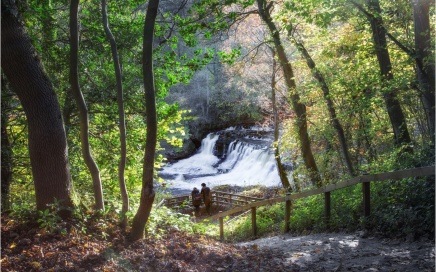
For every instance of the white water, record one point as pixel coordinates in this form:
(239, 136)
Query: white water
(245, 164)
(200, 164)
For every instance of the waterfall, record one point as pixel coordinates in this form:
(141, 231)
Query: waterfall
(208, 144)
(247, 165)
(247, 161)
(201, 163)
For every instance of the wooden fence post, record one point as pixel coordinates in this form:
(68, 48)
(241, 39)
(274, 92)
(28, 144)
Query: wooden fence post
(253, 221)
(221, 228)
(287, 214)
(366, 198)
(327, 208)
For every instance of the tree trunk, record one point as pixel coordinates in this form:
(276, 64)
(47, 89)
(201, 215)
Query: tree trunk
(396, 116)
(147, 192)
(298, 107)
(6, 149)
(121, 116)
(47, 140)
(282, 172)
(326, 91)
(81, 105)
(423, 51)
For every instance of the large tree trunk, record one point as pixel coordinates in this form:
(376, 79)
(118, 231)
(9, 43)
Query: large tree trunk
(331, 109)
(423, 51)
(396, 116)
(147, 192)
(47, 140)
(81, 105)
(121, 116)
(282, 172)
(298, 107)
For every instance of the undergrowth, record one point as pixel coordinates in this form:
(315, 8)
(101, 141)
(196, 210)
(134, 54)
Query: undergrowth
(399, 209)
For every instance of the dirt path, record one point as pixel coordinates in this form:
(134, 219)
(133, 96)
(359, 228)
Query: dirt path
(348, 252)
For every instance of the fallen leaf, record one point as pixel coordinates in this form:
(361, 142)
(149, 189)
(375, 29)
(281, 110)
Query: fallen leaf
(49, 254)
(35, 265)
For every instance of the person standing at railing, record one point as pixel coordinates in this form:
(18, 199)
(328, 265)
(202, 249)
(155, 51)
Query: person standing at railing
(207, 198)
(196, 198)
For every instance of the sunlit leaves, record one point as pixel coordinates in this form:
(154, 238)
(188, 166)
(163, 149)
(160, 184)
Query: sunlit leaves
(320, 13)
(230, 57)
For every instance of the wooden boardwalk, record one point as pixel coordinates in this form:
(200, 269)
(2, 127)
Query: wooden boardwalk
(229, 200)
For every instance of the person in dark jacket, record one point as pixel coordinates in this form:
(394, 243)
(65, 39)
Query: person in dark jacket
(207, 198)
(196, 198)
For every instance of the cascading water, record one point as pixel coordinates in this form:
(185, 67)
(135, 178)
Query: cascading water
(247, 161)
(201, 163)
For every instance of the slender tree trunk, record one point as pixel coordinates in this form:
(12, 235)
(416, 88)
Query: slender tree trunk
(47, 140)
(396, 115)
(282, 172)
(6, 149)
(423, 51)
(298, 107)
(147, 192)
(121, 116)
(331, 109)
(81, 105)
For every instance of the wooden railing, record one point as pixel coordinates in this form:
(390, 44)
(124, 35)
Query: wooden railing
(365, 180)
(231, 199)
(173, 202)
(218, 197)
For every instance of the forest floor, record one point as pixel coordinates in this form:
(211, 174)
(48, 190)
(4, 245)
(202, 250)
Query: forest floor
(26, 247)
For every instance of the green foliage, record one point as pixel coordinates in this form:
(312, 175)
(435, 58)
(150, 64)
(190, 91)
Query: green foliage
(307, 215)
(320, 13)
(269, 221)
(23, 211)
(163, 219)
(398, 209)
(49, 221)
(229, 58)
(404, 208)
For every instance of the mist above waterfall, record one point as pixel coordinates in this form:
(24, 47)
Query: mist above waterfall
(247, 160)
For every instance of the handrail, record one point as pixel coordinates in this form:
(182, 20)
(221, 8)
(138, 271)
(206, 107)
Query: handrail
(366, 179)
(408, 173)
(217, 196)
(237, 195)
